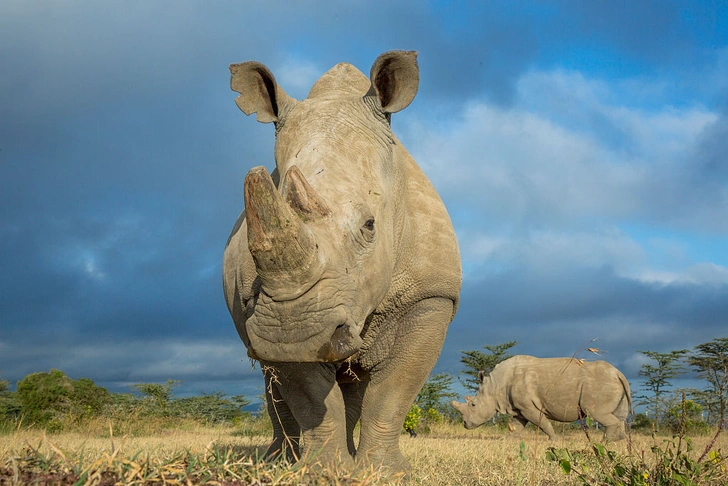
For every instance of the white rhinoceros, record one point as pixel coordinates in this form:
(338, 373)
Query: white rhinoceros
(343, 272)
(537, 390)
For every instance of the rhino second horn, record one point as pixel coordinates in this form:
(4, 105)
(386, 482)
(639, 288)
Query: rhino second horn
(299, 194)
(279, 242)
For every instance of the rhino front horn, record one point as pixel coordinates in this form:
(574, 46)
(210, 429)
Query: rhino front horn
(283, 247)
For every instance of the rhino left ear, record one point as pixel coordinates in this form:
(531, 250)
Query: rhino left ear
(259, 92)
(481, 375)
(395, 78)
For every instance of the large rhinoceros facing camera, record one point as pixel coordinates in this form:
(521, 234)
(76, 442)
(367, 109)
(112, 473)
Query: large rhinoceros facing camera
(343, 272)
(537, 390)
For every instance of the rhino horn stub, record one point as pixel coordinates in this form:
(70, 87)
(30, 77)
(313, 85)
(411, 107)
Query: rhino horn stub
(281, 245)
(301, 197)
(457, 406)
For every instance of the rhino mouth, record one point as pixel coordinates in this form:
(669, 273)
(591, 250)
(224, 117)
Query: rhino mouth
(334, 339)
(343, 343)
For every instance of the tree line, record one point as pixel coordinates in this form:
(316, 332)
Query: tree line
(54, 401)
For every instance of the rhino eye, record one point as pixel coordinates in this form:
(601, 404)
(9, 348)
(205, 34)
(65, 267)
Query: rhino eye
(367, 230)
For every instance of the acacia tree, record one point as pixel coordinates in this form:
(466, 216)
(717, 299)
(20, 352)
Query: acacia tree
(476, 361)
(657, 378)
(160, 394)
(435, 394)
(710, 360)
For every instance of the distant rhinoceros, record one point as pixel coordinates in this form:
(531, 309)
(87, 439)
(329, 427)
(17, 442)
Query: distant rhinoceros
(537, 390)
(343, 273)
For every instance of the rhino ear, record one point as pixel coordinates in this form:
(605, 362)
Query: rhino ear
(259, 92)
(395, 78)
(481, 375)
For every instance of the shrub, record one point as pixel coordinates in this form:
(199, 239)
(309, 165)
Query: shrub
(412, 419)
(53, 400)
(642, 422)
(686, 418)
(671, 464)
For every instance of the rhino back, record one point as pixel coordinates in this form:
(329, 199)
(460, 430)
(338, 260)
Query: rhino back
(560, 386)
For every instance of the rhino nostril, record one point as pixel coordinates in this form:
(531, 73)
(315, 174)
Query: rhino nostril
(344, 342)
(341, 333)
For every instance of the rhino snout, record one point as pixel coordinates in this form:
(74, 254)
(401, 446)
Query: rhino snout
(344, 342)
(332, 337)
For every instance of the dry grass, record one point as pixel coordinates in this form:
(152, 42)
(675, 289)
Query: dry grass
(449, 455)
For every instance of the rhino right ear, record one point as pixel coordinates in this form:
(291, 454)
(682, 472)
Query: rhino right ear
(481, 375)
(395, 78)
(259, 92)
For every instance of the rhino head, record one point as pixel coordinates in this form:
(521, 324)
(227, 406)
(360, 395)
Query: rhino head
(323, 231)
(479, 409)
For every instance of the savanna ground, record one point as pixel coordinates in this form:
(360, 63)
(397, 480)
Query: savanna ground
(448, 455)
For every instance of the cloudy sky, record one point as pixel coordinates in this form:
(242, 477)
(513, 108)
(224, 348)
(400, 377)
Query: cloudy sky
(580, 148)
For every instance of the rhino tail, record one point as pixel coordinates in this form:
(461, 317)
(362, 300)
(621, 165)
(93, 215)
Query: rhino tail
(625, 386)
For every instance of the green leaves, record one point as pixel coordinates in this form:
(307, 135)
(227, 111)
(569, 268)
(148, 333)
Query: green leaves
(671, 464)
(476, 361)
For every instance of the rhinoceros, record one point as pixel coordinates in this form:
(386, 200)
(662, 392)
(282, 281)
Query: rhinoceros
(537, 390)
(342, 274)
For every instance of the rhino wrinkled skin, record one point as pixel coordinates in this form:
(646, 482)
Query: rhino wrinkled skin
(343, 272)
(537, 390)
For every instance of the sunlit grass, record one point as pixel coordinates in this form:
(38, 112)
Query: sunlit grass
(194, 454)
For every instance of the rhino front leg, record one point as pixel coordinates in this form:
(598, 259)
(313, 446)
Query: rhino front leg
(536, 417)
(517, 425)
(353, 392)
(286, 432)
(396, 381)
(315, 401)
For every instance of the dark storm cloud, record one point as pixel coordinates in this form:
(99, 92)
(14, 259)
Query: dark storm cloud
(122, 157)
(564, 313)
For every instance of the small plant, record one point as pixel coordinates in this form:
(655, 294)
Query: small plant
(671, 464)
(412, 420)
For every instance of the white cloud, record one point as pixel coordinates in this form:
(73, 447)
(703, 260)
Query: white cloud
(517, 166)
(549, 182)
(699, 274)
(296, 76)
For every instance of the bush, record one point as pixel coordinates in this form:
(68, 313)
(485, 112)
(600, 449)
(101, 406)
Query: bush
(211, 408)
(53, 400)
(9, 407)
(686, 418)
(642, 422)
(412, 420)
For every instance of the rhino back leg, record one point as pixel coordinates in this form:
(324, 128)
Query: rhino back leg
(398, 378)
(611, 411)
(613, 425)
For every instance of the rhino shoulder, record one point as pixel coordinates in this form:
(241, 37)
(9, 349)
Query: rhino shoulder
(429, 256)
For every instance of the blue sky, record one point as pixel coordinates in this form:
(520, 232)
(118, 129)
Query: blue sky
(579, 146)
